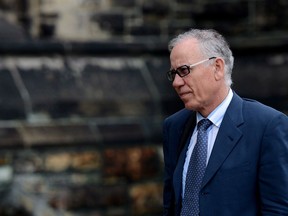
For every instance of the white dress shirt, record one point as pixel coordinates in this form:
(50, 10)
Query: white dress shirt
(216, 118)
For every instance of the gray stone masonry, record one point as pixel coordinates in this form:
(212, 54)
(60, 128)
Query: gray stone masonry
(83, 94)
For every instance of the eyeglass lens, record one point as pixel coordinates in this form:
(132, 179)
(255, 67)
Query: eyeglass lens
(181, 71)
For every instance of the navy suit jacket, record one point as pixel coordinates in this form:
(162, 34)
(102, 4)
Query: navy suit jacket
(247, 173)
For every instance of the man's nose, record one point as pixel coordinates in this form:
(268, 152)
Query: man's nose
(178, 81)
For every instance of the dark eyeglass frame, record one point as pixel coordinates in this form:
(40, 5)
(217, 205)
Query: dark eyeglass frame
(184, 70)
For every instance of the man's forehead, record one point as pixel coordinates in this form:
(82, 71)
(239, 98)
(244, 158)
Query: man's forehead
(188, 48)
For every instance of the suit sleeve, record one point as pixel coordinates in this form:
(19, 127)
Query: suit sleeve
(273, 170)
(168, 200)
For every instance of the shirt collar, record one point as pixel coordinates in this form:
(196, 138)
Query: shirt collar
(216, 116)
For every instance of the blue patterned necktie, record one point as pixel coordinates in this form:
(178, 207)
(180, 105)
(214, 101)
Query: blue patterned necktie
(196, 170)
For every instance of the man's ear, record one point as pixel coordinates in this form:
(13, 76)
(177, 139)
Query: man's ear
(219, 69)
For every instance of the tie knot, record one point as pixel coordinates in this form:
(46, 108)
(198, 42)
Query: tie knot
(204, 124)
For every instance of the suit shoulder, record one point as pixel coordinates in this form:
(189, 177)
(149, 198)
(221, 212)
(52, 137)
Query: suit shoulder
(179, 117)
(256, 108)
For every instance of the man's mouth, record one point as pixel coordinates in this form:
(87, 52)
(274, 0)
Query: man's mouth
(183, 94)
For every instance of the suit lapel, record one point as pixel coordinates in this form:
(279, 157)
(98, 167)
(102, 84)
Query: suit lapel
(182, 149)
(188, 129)
(227, 138)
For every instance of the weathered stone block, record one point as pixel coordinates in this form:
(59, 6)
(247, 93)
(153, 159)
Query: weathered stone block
(124, 3)
(79, 161)
(10, 136)
(146, 199)
(11, 104)
(131, 163)
(27, 161)
(112, 22)
(145, 30)
(89, 197)
(58, 134)
(120, 132)
(158, 8)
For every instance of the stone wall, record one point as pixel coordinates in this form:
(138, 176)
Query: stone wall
(83, 94)
(132, 20)
(81, 135)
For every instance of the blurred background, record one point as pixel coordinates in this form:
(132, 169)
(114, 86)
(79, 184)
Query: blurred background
(83, 93)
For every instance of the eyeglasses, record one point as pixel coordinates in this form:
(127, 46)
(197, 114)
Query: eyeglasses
(183, 70)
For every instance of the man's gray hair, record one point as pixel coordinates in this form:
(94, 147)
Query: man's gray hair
(211, 44)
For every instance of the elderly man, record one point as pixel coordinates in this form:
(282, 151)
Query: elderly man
(224, 155)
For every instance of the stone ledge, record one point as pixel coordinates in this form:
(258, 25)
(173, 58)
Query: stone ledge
(154, 45)
(57, 133)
